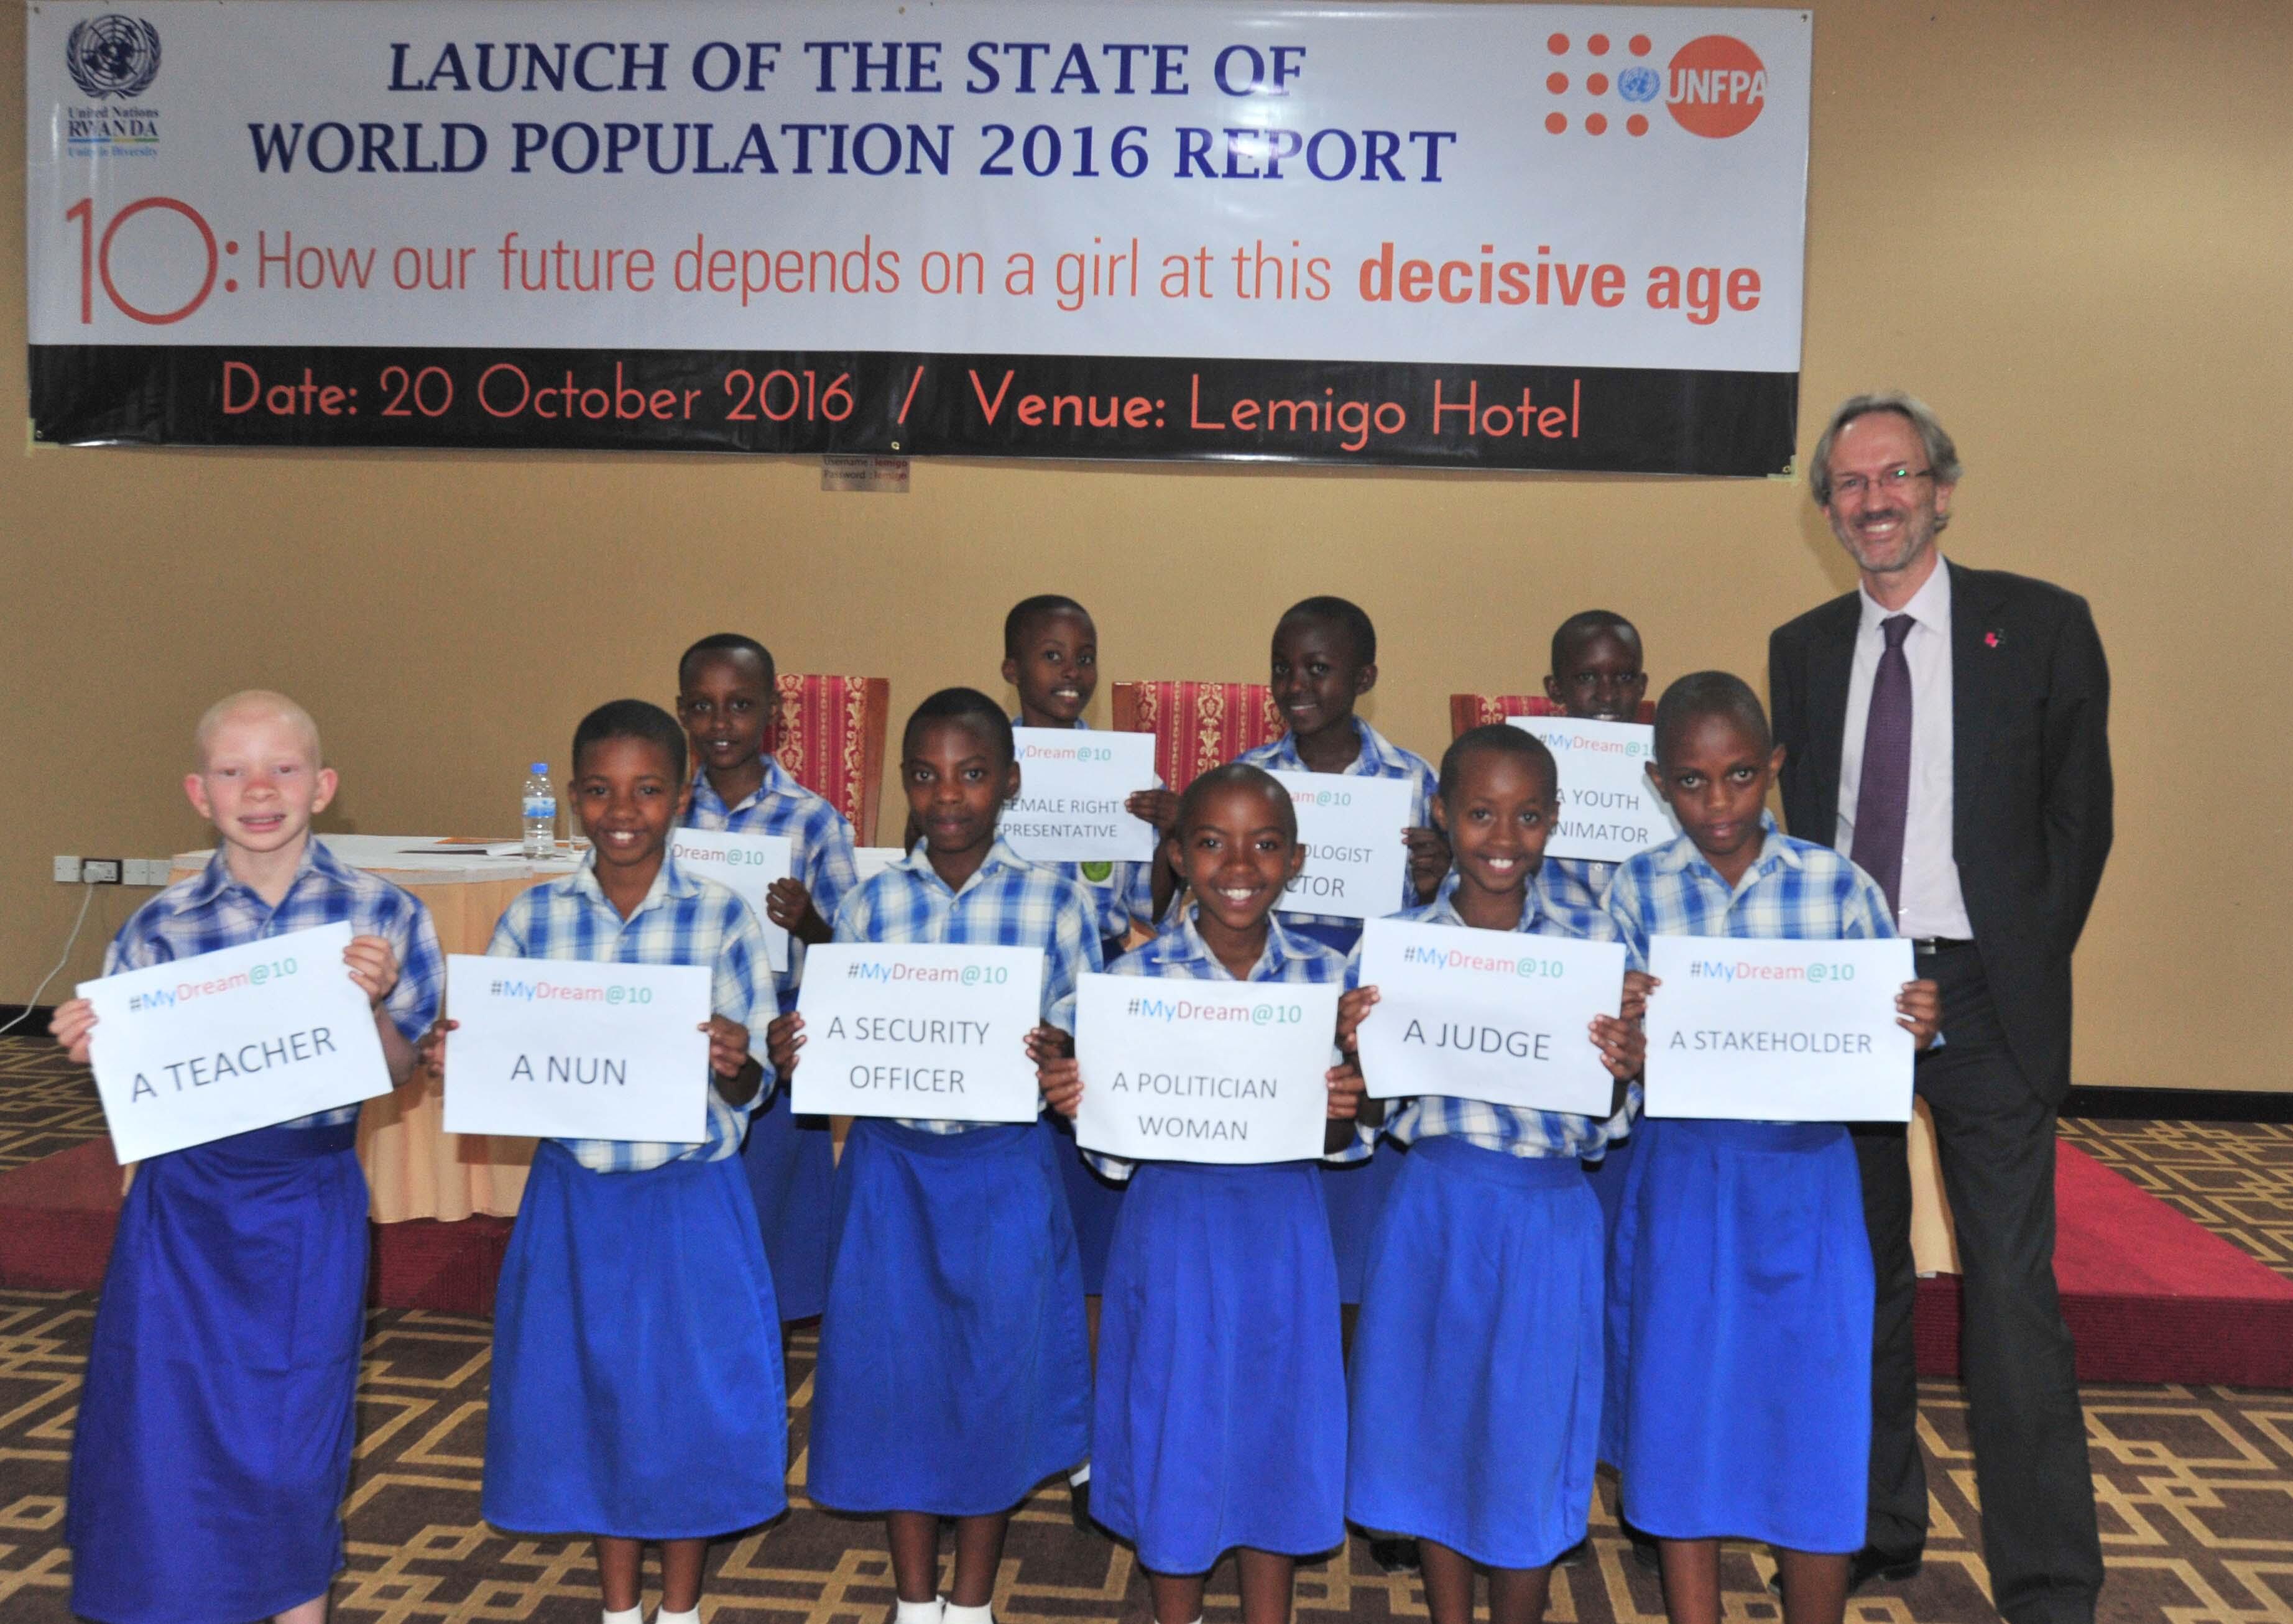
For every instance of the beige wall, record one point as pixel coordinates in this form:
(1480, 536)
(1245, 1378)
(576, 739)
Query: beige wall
(2066, 226)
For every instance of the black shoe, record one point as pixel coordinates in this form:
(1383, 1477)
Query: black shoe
(1577, 1555)
(1644, 1549)
(1079, 1506)
(1395, 1555)
(1868, 1563)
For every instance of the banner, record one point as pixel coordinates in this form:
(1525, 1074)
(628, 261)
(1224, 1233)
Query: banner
(1471, 236)
(1073, 787)
(569, 1049)
(1204, 1071)
(1491, 1015)
(246, 1037)
(1609, 811)
(1351, 827)
(1776, 1031)
(930, 1031)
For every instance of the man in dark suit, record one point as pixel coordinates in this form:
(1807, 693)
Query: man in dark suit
(1947, 728)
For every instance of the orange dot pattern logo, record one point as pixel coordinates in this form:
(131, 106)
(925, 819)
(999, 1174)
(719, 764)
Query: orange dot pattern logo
(1715, 87)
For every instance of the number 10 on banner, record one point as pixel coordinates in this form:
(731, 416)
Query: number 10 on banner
(95, 259)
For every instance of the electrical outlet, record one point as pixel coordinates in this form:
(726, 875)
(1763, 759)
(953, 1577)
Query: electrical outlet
(67, 870)
(149, 871)
(100, 871)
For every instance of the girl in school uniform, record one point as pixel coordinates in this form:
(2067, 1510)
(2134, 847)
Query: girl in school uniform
(954, 1370)
(1476, 1361)
(1741, 1271)
(637, 1394)
(1220, 1417)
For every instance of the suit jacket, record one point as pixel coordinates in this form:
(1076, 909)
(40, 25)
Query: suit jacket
(2030, 802)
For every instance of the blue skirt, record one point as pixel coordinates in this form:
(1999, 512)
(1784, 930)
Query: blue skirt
(636, 1388)
(1748, 1358)
(213, 1447)
(1355, 1193)
(954, 1370)
(1476, 1377)
(791, 1161)
(1092, 1202)
(1220, 1419)
(1611, 1179)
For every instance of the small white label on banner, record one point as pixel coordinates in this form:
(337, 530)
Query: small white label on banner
(246, 1037)
(1356, 859)
(1490, 1015)
(928, 1031)
(1203, 1071)
(745, 864)
(568, 1049)
(1608, 809)
(1073, 785)
(1769, 1031)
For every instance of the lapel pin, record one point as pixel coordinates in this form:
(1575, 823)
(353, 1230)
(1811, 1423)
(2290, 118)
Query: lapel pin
(1990, 640)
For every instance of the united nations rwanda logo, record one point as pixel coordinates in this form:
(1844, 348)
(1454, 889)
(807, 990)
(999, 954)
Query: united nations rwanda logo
(112, 55)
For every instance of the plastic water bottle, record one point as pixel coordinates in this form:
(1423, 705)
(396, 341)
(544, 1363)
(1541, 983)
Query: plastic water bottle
(541, 814)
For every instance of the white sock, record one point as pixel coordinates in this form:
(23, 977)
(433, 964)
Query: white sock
(691, 1616)
(920, 1612)
(971, 1615)
(1079, 1477)
(627, 1615)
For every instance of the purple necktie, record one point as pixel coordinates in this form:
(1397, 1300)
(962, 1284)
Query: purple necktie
(1883, 800)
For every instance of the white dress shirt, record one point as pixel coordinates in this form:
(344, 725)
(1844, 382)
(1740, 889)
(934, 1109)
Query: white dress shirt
(1932, 903)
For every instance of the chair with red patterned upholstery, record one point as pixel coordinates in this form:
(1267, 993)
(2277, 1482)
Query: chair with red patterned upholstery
(830, 736)
(1468, 710)
(1196, 726)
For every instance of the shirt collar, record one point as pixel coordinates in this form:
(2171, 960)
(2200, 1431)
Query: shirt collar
(918, 862)
(776, 781)
(216, 877)
(670, 882)
(1930, 605)
(1373, 753)
(1182, 942)
(1445, 903)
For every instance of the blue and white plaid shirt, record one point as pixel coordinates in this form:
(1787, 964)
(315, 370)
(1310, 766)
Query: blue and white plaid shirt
(1008, 903)
(1577, 882)
(1795, 891)
(211, 911)
(1125, 892)
(1379, 759)
(820, 846)
(683, 920)
(1514, 1130)
(1180, 954)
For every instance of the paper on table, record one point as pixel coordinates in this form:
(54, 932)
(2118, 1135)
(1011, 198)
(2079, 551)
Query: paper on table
(246, 1037)
(931, 1031)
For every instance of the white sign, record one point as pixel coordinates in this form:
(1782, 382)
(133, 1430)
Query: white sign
(1351, 826)
(569, 1049)
(246, 1037)
(929, 1031)
(745, 864)
(1204, 1071)
(1073, 785)
(1772, 1031)
(1492, 1015)
(868, 861)
(1608, 809)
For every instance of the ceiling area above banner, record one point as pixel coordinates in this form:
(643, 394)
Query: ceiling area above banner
(1478, 237)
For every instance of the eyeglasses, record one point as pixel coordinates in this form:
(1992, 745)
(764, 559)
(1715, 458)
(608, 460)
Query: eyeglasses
(1891, 481)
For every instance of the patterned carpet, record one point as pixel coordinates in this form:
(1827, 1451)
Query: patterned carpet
(2195, 1485)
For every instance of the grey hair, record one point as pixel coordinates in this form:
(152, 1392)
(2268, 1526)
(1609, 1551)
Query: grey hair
(1943, 452)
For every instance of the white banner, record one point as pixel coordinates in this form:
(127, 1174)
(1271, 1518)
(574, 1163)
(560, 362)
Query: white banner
(1608, 809)
(1203, 1071)
(929, 1031)
(745, 864)
(1351, 828)
(1073, 785)
(246, 1037)
(569, 1049)
(1774, 1031)
(1490, 1015)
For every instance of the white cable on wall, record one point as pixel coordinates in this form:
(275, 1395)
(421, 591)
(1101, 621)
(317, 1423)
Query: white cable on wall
(87, 891)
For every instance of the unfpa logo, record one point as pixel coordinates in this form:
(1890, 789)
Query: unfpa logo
(112, 55)
(1714, 87)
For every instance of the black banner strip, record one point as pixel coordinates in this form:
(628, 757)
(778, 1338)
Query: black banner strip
(1602, 420)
